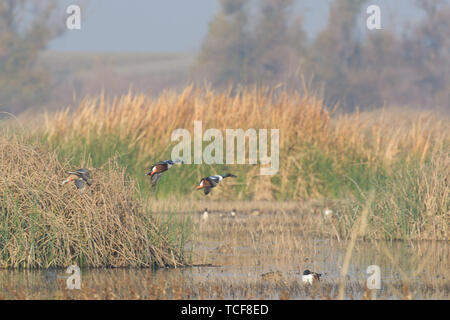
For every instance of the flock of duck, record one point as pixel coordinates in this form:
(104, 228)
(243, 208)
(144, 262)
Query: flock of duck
(81, 177)
(207, 183)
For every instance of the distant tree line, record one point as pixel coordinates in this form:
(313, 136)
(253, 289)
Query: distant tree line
(26, 27)
(267, 46)
(383, 66)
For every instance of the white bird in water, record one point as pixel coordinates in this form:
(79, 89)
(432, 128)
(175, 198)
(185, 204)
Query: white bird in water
(309, 277)
(205, 215)
(328, 213)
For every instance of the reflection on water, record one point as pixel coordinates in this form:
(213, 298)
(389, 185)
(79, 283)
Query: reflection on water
(418, 270)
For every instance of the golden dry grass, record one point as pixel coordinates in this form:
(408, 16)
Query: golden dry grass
(326, 161)
(321, 154)
(401, 155)
(43, 223)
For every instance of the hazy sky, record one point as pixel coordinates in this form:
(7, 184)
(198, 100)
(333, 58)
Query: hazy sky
(180, 25)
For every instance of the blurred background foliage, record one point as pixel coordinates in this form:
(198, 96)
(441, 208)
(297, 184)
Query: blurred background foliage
(358, 71)
(248, 42)
(26, 27)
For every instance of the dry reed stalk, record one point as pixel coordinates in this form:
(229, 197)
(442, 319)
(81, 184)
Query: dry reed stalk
(358, 229)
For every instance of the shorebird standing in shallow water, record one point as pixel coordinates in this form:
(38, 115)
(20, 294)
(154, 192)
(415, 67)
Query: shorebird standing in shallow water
(158, 168)
(310, 277)
(80, 177)
(205, 215)
(328, 213)
(212, 181)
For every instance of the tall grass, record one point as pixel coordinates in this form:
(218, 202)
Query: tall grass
(44, 224)
(401, 154)
(413, 203)
(321, 154)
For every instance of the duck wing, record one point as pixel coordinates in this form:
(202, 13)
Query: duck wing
(84, 174)
(213, 180)
(160, 167)
(79, 183)
(155, 178)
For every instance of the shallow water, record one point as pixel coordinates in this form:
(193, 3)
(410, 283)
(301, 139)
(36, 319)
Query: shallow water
(417, 270)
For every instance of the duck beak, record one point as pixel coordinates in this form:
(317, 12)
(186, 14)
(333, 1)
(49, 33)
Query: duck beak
(199, 187)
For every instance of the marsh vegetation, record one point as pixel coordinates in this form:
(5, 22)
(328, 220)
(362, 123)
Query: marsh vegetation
(352, 191)
(357, 184)
(231, 257)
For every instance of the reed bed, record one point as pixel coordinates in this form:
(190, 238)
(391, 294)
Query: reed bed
(401, 155)
(44, 224)
(390, 164)
(413, 203)
(322, 154)
(232, 255)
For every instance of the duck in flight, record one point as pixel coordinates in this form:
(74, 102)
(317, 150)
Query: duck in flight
(158, 168)
(212, 181)
(80, 177)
